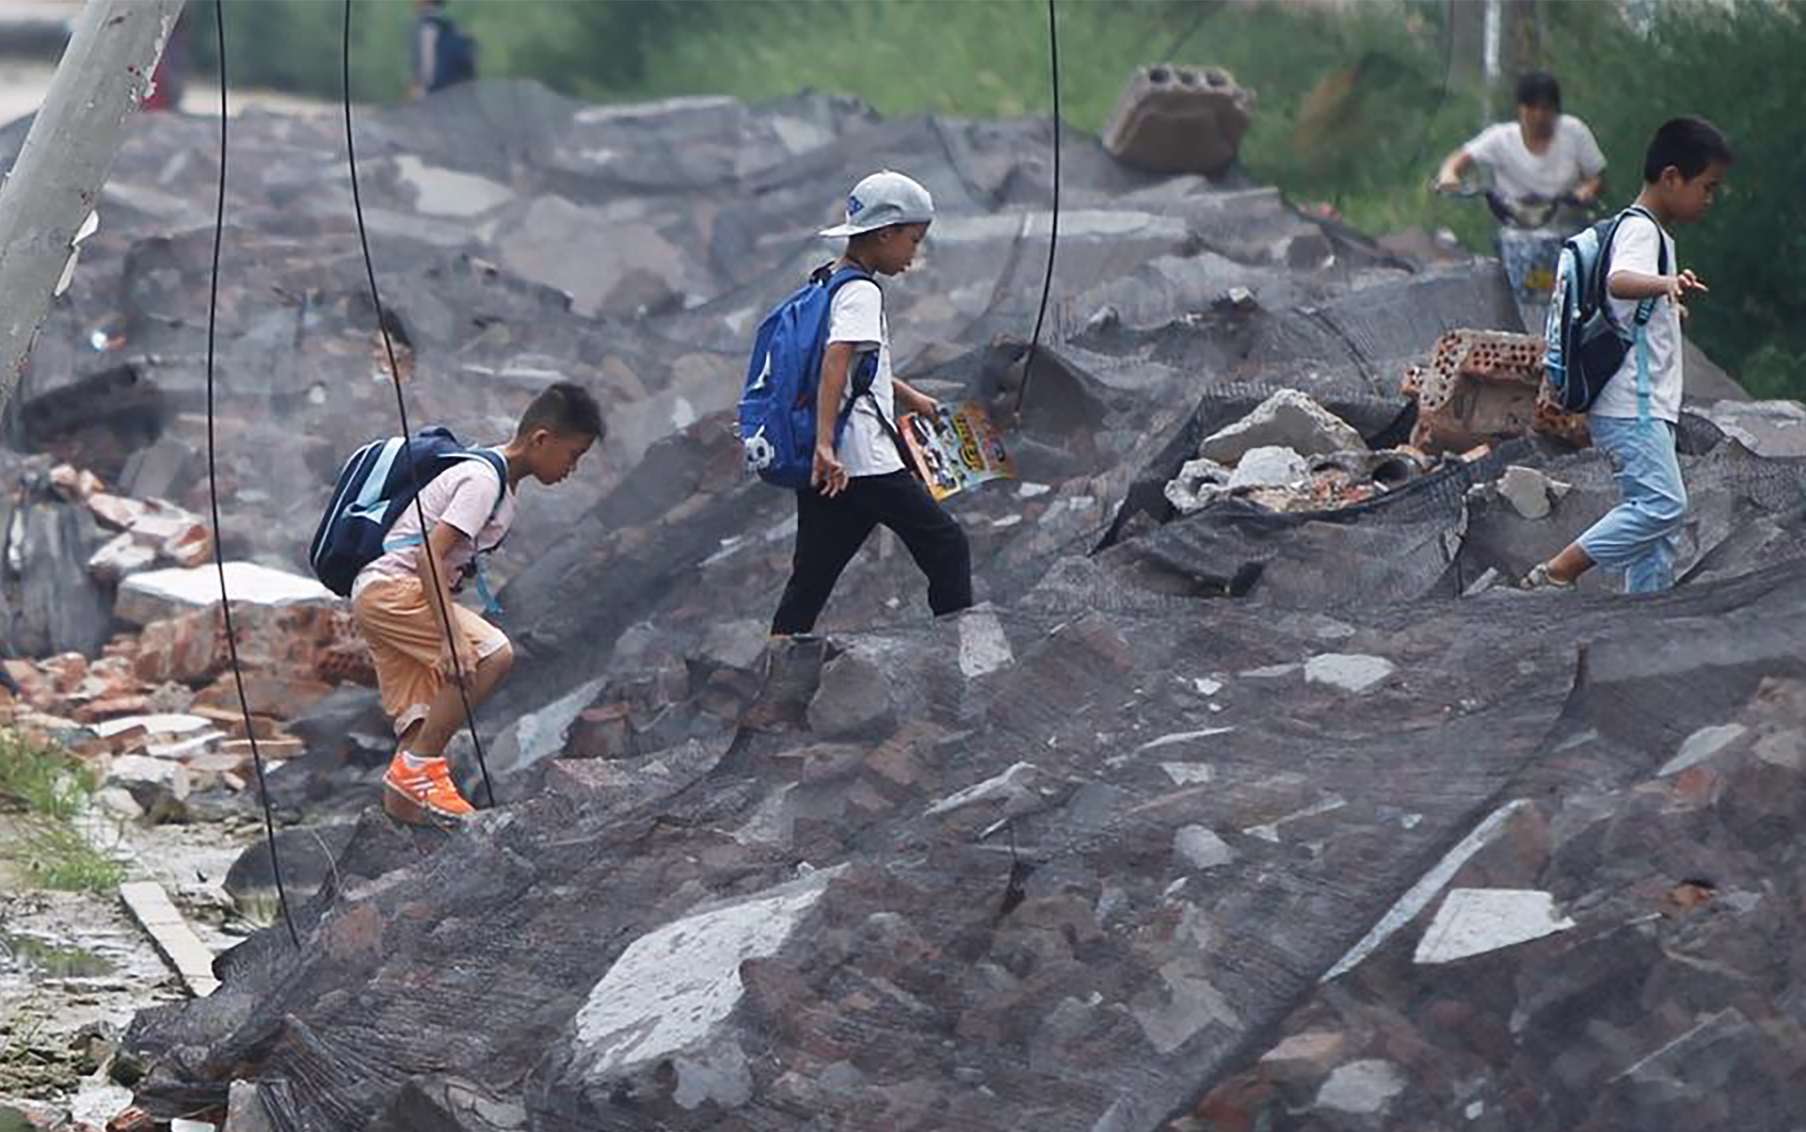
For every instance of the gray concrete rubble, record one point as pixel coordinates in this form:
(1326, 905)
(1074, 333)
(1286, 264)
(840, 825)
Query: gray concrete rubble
(1288, 419)
(1228, 816)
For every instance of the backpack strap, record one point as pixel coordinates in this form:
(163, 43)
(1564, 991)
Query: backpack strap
(862, 375)
(491, 607)
(1646, 310)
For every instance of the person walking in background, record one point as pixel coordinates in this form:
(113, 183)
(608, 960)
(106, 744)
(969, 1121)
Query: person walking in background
(442, 54)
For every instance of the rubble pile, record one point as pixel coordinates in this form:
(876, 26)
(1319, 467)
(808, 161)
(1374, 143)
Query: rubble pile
(1229, 817)
(1291, 455)
(155, 709)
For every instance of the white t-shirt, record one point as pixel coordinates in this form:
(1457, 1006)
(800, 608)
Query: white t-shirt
(1634, 248)
(857, 316)
(462, 497)
(1572, 157)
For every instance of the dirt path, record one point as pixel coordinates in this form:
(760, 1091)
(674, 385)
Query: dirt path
(75, 967)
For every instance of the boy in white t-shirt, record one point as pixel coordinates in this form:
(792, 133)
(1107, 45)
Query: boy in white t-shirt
(1544, 155)
(1633, 420)
(468, 512)
(862, 482)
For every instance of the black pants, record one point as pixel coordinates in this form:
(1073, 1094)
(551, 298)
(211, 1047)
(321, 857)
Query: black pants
(830, 531)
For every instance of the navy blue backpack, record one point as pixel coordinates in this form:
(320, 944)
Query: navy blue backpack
(456, 54)
(1583, 344)
(376, 485)
(777, 401)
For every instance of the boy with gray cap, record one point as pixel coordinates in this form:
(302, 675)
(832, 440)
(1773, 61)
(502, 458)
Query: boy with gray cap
(862, 482)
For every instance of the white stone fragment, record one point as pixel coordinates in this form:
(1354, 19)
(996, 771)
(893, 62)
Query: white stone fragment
(1199, 848)
(1179, 737)
(1419, 895)
(1363, 1087)
(1702, 745)
(983, 646)
(1268, 466)
(156, 594)
(1474, 921)
(1528, 491)
(168, 724)
(672, 987)
(1351, 672)
(1189, 774)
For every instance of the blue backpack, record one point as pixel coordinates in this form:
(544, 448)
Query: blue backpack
(777, 401)
(455, 54)
(376, 485)
(1583, 343)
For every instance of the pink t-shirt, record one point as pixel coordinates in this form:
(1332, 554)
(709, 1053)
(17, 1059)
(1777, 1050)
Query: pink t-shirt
(461, 497)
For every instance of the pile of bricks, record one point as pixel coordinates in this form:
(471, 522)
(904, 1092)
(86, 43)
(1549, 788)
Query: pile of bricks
(1482, 387)
(166, 691)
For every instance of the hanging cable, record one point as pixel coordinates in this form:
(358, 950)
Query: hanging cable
(401, 409)
(1053, 236)
(219, 554)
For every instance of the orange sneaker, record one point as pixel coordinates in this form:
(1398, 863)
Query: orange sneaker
(423, 795)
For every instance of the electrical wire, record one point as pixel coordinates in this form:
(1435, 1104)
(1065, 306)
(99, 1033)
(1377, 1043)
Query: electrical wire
(401, 409)
(219, 554)
(1053, 237)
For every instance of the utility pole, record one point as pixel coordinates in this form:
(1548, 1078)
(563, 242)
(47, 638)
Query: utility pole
(55, 184)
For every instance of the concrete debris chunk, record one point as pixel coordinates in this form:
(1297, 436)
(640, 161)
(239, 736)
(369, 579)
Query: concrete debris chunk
(1529, 491)
(151, 596)
(1177, 119)
(1287, 419)
(672, 988)
(1199, 848)
(1351, 672)
(1199, 483)
(1268, 466)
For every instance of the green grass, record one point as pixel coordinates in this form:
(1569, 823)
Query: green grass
(48, 788)
(41, 779)
(54, 854)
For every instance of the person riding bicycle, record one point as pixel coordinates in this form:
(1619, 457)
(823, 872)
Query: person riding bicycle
(1544, 156)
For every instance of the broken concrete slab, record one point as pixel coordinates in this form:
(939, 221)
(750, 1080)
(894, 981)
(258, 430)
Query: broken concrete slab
(1474, 921)
(664, 1000)
(1351, 672)
(151, 907)
(158, 594)
(1287, 419)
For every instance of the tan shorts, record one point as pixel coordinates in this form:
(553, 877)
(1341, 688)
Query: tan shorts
(406, 641)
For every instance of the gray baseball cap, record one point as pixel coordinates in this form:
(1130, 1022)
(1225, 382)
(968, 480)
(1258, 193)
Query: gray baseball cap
(881, 200)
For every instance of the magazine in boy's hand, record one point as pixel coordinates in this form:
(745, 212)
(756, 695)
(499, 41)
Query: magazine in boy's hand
(955, 449)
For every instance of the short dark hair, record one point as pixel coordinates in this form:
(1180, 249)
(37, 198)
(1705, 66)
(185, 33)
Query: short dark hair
(566, 408)
(1538, 88)
(1689, 144)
